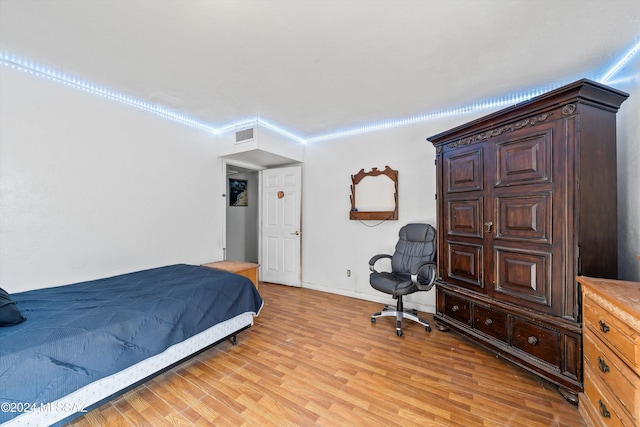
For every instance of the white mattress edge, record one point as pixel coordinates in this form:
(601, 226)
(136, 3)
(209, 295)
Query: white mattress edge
(100, 389)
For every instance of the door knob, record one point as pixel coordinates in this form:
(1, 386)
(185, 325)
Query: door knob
(297, 233)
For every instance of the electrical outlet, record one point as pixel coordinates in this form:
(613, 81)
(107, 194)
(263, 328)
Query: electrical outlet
(348, 273)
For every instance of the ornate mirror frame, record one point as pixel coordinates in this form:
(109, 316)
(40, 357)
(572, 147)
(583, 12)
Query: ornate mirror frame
(374, 215)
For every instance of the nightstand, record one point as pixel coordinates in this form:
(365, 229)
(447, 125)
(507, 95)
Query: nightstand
(246, 269)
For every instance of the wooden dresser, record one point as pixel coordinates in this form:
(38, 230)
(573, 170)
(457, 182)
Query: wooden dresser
(611, 336)
(526, 202)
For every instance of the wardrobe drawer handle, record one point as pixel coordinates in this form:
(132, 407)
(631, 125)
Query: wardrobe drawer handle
(604, 368)
(532, 340)
(455, 308)
(603, 326)
(603, 409)
(488, 322)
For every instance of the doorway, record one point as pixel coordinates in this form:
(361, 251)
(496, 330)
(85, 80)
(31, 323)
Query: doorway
(242, 214)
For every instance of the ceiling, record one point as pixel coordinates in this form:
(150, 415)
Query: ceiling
(315, 66)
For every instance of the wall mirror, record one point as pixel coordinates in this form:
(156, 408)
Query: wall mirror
(374, 195)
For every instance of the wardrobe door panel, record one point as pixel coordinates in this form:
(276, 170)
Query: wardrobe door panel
(465, 265)
(464, 217)
(526, 159)
(525, 218)
(463, 171)
(524, 277)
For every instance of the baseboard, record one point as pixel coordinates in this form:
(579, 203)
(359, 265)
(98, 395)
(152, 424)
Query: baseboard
(382, 299)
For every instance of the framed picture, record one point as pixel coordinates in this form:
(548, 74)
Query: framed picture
(238, 195)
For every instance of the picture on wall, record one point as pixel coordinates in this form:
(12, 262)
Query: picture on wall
(238, 195)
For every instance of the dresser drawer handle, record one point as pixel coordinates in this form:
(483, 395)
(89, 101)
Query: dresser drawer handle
(532, 340)
(603, 326)
(488, 322)
(604, 368)
(603, 410)
(455, 308)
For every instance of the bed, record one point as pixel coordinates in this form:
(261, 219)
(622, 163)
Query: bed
(84, 343)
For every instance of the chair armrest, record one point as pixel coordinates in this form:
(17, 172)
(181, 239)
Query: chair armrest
(429, 268)
(375, 259)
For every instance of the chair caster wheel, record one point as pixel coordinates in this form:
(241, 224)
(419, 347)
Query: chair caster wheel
(373, 320)
(428, 328)
(399, 333)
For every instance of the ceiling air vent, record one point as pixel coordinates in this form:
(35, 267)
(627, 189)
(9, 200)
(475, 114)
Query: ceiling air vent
(244, 135)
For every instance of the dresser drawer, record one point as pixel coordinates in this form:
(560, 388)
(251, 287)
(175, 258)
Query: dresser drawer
(457, 308)
(622, 339)
(606, 410)
(613, 374)
(537, 340)
(491, 322)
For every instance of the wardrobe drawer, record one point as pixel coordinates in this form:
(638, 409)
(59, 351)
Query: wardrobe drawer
(491, 322)
(608, 409)
(612, 373)
(457, 308)
(622, 339)
(537, 340)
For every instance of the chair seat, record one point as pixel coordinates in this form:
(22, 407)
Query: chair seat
(392, 283)
(412, 270)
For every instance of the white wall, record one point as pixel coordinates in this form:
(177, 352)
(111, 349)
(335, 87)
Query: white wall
(333, 244)
(628, 133)
(91, 188)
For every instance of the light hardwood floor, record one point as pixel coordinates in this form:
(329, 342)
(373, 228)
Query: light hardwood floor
(315, 359)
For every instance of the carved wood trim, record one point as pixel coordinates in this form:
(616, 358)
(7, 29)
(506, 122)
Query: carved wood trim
(483, 136)
(532, 121)
(392, 174)
(569, 109)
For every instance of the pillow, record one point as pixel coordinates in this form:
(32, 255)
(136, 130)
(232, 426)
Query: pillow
(9, 313)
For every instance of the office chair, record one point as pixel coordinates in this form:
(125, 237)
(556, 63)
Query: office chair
(412, 269)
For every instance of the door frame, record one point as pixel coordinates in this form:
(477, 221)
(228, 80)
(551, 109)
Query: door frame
(225, 163)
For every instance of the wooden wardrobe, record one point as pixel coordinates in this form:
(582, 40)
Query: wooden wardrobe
(526, 202)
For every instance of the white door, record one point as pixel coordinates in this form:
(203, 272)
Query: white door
(281, 217)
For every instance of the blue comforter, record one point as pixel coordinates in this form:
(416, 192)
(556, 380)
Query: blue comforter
(79, 333)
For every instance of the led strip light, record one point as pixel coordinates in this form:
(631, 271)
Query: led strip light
(617, 66)
(38, 70)
(454, 111)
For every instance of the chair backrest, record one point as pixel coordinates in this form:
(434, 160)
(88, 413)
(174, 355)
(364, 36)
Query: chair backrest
(417, 244)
